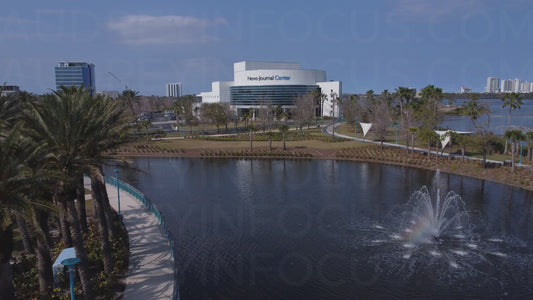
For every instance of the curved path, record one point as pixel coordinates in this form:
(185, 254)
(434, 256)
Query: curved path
(151, 266)
(328, 130)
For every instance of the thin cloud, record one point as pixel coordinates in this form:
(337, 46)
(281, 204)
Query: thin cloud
(14, 20)
(149, 30)
(434, 10)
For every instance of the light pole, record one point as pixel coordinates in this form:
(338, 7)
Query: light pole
(396, 132)
(70, 263)
(355, 127)
(521, 146)
(117, 171)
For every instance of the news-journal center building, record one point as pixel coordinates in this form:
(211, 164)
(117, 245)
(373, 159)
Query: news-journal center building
(279, 83)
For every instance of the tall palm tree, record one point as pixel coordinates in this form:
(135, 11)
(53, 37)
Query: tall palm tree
(429, 136)
(130, 98)
(16, 179)
(514, 135)
(405, 95)
(412, 130)
(474, 110)
(514, 101)
(61, 123)
(529, 136)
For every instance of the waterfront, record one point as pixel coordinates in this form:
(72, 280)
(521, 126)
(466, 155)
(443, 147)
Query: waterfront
(302, 229)
(522, 117)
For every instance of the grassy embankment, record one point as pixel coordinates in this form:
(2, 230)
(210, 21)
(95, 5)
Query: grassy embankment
(313, 144)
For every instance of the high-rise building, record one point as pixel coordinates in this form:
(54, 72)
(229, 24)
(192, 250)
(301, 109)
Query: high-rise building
(77, 74)
(173, 89)
(507, 86)
(516, 85)
(493, 85)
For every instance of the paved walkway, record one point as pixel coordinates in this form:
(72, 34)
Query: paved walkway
(151, 266)
(327, 130)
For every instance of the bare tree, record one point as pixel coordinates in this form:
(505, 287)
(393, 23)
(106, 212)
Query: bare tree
(380, 117)
(305, 110)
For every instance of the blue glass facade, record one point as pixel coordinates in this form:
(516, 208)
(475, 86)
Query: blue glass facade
(75, 73)
(283, 95)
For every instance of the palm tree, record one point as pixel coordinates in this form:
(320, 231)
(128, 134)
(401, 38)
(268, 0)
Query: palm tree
(474, 110)
(14, 176)
(514, 101)
(61, 123)
(462, 141)
(529, 136)
(130, 98)
(515, 136)
(284, 128)
(429, 136)
(404, 94)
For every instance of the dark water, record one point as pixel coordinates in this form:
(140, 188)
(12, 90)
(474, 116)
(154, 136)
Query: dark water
(261, 229)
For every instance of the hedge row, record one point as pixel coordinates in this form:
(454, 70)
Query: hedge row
(256, 154)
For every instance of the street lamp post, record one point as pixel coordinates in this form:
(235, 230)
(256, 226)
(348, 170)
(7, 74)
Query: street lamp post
(355, 127)
(70, 263)
(521, 146)
(117, 171)
(396, 132)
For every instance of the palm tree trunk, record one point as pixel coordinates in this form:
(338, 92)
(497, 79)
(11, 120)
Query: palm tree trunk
(508, 127)
(109, 213)
(26, 239)
(463, 153)
(42, 223)
(64, 223)
(79, 248)
(284, 148)
(102, 223)
(80, 192)
(6, 248)
(251, 149)
(44, 259)
(513, 146)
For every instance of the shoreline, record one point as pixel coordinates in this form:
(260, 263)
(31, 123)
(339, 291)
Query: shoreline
(521, 178)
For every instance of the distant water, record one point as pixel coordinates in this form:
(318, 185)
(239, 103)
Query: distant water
(274, 229)
(522, 117)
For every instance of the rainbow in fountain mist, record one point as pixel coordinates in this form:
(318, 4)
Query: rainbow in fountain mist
(430, 221)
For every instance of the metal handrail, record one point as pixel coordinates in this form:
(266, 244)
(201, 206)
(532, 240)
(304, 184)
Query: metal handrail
(149, 205)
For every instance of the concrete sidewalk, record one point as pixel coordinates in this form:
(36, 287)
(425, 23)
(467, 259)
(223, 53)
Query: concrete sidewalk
(151, 266)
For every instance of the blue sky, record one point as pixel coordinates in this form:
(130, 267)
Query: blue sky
(375, 45)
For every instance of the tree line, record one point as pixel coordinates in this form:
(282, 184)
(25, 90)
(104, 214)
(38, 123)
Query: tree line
(47, 145)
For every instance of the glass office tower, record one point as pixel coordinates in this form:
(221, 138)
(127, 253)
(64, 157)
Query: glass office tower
(77, 74)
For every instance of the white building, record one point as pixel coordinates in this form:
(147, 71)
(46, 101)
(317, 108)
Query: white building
(8, 90)
(173, 89)
(278, 83)
(465, 90)
(507, 86)
(493, 85)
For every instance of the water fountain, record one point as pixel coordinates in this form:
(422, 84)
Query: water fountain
(435, 237)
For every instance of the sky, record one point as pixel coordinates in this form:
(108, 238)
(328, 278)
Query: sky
(376, 45)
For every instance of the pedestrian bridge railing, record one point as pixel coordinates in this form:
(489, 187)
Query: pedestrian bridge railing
(155, 212)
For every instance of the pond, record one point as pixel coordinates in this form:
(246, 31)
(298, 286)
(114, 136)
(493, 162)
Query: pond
(324, 229)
